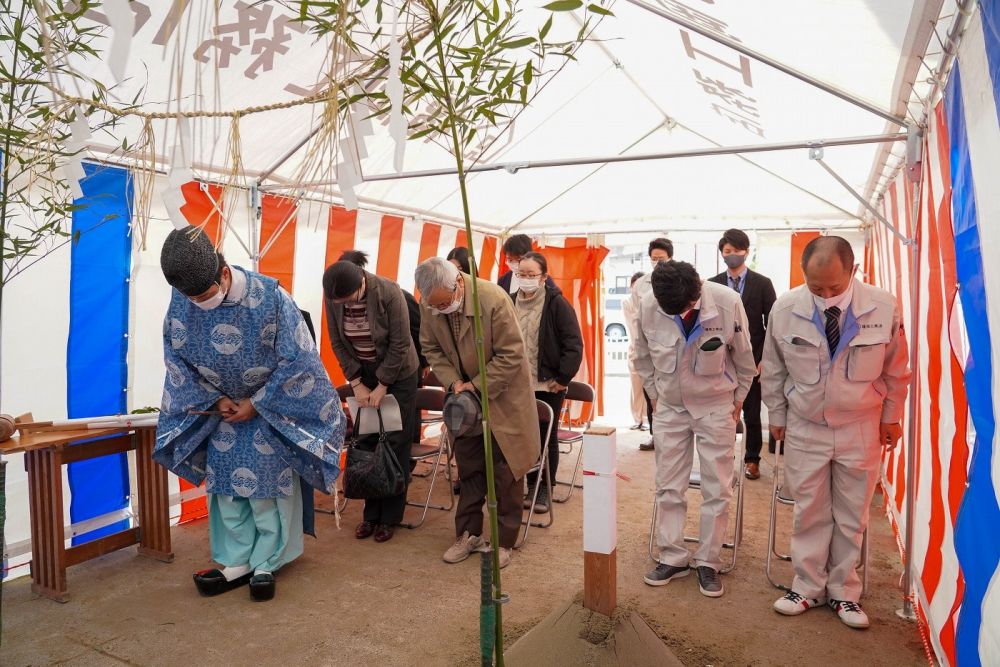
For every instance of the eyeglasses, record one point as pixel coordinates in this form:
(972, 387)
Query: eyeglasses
(443, 306)
(528, 275)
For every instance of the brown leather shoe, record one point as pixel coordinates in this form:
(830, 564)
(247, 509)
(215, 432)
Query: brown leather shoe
(364, 530)
(383, 533)
(752, 471)
(646, 446)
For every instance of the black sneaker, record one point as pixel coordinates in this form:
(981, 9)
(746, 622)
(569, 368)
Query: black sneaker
(646, 446)
(542, 501)
(663, 574)
(709, 582)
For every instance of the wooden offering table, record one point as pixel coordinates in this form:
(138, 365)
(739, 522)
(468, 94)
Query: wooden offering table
(45, 453)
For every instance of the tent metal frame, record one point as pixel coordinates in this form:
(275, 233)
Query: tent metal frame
(923, 23)
(670, 122)
(514, 167)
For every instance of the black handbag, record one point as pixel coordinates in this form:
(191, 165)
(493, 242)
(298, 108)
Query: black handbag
(371, 474)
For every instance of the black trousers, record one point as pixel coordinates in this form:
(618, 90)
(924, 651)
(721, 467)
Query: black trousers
(649, 410)
(389, 511)
(471, 460)
(555, 401)
(751, 419)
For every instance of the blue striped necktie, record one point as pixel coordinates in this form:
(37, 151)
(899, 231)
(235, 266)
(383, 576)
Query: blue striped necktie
(832, 328)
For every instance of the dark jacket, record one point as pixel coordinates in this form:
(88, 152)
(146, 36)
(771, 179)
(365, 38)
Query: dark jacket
(390, 327)
(560, 343)
(309, 323)
(414, 309)
(758, 297)
(504, 282)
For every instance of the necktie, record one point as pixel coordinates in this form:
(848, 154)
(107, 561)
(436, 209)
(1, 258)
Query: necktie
(832, 328)
(689, 321)
(736, 283)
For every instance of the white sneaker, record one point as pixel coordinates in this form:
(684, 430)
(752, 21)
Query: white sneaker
(850, 613)
(463, 546)
(794, 604)
(504, 557)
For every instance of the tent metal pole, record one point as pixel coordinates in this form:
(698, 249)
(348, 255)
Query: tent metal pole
(680, 230)
(514, 167)
(907, 611)
(861, 199)
(964, 11)
(255, 219)
(767, 60)
(913, 246)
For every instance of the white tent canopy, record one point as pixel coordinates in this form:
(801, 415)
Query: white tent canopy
(641, 85)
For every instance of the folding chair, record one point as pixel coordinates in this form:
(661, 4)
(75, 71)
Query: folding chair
(432, 399)
(428, 416)
(583, 393)
(542, 468)
(780, 497)
(431, 380)
(694, 482)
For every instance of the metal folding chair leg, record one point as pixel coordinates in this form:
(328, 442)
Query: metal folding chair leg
(443, 459)
(772, 551)
(737, 535)
(543, 474)
(574, 483)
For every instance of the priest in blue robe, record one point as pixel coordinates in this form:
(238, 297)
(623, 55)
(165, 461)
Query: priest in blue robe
(247, 408)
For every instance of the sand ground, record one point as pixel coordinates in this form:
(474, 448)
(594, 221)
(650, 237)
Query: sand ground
(398, 603)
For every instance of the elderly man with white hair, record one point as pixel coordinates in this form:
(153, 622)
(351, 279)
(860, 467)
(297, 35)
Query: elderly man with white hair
(447, 335)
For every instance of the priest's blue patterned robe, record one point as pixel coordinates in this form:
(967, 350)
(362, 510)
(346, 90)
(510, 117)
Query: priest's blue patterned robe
(257, 347)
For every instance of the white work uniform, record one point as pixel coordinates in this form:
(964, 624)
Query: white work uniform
(637, 402)
(633, 304)
(831, 409)
(695, 390)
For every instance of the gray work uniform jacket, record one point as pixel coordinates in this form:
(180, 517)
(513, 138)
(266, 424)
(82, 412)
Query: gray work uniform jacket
(711, 369)
(868, 375)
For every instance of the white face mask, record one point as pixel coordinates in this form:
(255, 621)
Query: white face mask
(841, 301)
(213, 301)
(529, 285)
(455, 305)
(513, 265)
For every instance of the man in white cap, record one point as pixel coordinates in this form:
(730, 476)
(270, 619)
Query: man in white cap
(834, 380)
(247, 408)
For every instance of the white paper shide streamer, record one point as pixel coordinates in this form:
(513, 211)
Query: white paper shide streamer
(352, 151)
(394, 89)
(179, 174)
(122, 21)
(72, 168)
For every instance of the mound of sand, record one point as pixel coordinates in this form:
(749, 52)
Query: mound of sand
(573, 635)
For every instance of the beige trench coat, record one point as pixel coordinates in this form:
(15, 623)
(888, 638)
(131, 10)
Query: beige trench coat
(513, 416)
